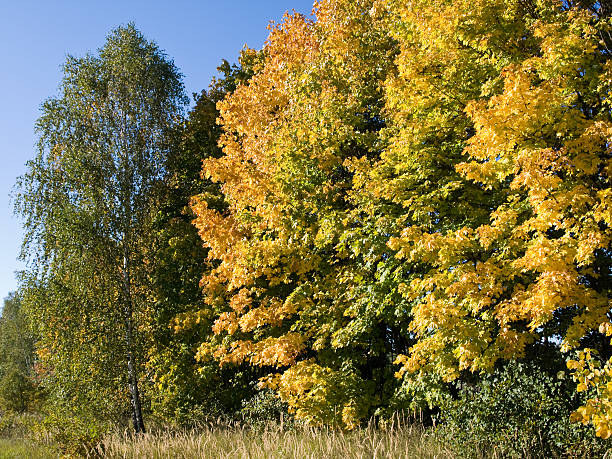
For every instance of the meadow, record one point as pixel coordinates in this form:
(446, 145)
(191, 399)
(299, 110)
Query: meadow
(269, 441)
(275, 442)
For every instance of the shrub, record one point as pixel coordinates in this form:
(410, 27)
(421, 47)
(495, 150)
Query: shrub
(17, 391)
(263, 408)
(519, 410)
(73, 435)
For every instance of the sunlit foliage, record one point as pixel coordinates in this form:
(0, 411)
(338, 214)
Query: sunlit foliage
(423, 182)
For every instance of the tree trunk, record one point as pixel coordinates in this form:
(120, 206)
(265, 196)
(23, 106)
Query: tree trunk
(133, 379)
(129, 343)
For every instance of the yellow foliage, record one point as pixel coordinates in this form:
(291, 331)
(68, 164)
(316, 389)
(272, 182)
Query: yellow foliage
(318, 395)
(487, 152)
(592, 377)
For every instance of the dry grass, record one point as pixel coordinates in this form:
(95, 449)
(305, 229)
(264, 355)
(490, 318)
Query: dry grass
(276, 442)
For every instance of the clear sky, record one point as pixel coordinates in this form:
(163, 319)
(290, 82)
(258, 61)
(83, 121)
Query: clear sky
(35, 37)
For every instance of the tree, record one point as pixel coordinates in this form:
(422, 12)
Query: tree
(290, 268)
(177, 262)
(17, 385)
(85, 200)
(420, 182)
(514, 97)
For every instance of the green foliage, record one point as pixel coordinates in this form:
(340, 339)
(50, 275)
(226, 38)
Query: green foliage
(520, 410)
(86, 204)
(18, 387)
(17, 390)
(264, 408)
(183, 389)
(75, 435)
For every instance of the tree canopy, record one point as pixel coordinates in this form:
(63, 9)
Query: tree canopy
(87, 209)
(426, 182)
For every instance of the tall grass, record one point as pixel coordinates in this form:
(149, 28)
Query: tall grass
(275, 441)
(24, 449)
(219, 439)
(17, 439)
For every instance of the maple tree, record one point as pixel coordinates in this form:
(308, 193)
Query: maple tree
(536, 147)
(286, 280)
(427, 181)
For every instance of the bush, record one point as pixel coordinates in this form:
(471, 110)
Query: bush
(16, 425)
(517, 411)
(17, 391)
(73, 435)
(264, 408)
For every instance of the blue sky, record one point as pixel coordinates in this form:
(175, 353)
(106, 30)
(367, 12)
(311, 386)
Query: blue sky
(35, 37)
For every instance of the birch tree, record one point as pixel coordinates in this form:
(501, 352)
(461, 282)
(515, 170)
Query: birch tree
(85, 201)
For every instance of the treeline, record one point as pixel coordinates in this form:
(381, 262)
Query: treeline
(394, 207)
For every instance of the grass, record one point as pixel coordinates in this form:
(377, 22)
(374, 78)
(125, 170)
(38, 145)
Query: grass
(22, 449)
(20, 439)
(275, 442)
